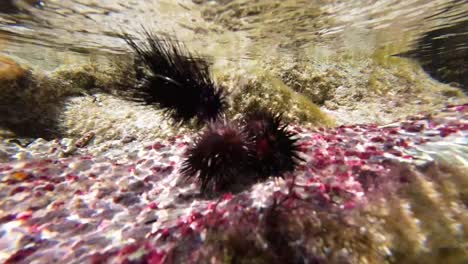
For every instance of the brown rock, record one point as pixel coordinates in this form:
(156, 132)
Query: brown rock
(10, 70)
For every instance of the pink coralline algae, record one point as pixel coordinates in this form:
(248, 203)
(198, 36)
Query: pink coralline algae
(138, 208)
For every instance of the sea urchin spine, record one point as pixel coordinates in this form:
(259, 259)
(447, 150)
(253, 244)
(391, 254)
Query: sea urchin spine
(219, 157)
(275, 148)
(176, 80)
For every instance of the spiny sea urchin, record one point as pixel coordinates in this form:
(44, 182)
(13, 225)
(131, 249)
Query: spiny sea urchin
(220, 156)
(178, 81)
(275, 148)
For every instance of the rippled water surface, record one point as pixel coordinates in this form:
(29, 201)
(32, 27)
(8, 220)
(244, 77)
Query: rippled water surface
(240, 29)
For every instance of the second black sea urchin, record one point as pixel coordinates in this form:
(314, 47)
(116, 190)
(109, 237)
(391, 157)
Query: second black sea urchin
(275, 149)
(219, 157)
(178, 81)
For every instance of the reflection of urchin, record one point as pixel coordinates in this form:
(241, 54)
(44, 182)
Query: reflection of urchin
(219, 156)
(176, 80)
(275, 148)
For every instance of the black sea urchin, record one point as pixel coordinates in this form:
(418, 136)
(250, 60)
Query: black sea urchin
(219, 156)
(275, 148)
(176, 80)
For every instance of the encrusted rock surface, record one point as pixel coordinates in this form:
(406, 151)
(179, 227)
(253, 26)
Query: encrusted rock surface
(131, 203)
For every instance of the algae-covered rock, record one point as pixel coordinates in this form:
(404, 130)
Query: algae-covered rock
(260, 90)
(82, 76)
(112, 118)
(115, 74)
(317, 84)
(32, 102)
(360, 89)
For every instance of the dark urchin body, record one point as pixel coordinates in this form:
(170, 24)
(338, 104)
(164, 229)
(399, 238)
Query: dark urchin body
(176, 80)
(275, 148)
(219, 157)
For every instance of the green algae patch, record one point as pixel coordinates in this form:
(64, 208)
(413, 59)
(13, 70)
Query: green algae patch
(310, 112)
(263, 91)
(317, 86)
(302, 109)
(114, 76)
(80, 76)
(353, 88)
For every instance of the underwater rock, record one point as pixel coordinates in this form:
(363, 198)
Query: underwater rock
(365, 193)
(36, 104)
(14, 79)
(355, 90)
(257, 89)
(10, 70)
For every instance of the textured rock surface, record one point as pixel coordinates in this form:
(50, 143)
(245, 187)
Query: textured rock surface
(130, 203)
